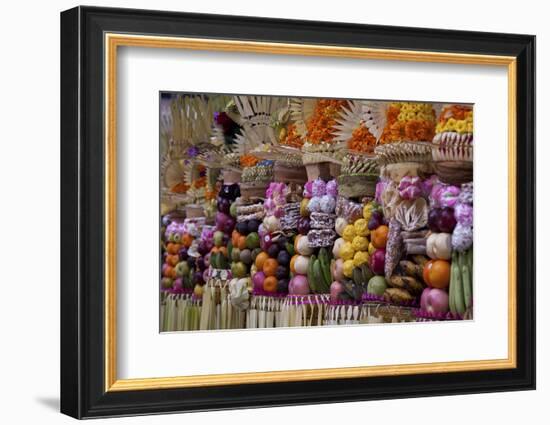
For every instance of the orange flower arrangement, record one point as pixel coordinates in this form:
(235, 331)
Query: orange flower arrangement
(458, 112)
(362, 140)
(320, 127)
(248, 160)
(413, 122)
(292, 138)
(210, 194)
(179, 188)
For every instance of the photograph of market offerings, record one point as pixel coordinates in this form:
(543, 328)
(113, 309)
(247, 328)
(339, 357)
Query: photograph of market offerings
(280, 212)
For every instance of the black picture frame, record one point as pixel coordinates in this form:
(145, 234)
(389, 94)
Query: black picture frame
(82, 212)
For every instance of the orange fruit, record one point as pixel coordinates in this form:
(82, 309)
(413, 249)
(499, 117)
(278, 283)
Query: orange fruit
(270, 267)
(173, 259)
(215, 249)
(292, 261)
(242, 242)
(270, 284)
(172, 248)
(235, 238)
(260, 260)
(187, 240)
(169, 271)
(426, 271)
(223, 250)
(439, 274)
(379, 236)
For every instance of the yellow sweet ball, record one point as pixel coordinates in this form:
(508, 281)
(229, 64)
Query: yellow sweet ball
(348, 268)
(367, 211)
(360, 257)
(347, 252)
(361, 227)
(349, 232)
(360, 243)
(470, 128)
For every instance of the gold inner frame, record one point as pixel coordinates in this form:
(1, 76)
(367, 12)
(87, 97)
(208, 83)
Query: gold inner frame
(113, 41)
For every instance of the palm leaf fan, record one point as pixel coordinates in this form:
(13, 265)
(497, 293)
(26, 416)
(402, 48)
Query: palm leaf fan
(349, 119)
(165, 126)
(172, 172)
(191, 122)
(374, 114)
(301, 110)
(256, 113)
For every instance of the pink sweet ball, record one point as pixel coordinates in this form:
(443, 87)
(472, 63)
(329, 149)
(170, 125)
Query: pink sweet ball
(427, 185)
(327, 204)
(319, 187)
(332, 188)
(308, 189)
(380, 189)
(410, 192)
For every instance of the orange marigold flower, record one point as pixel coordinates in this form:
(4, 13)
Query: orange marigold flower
(292, 137)
(320, 126)
(248, 160)
(362, 140)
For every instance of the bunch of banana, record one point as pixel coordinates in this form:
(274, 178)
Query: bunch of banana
(318, 272)
(361, 275)
(411, 269)
(410, 284)
(397, 295)
(460, 286)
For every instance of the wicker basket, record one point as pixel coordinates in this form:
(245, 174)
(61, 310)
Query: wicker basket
(231, 176)
(254, 190)
(454, 172)
(194, 211)
(357, 185)
(283, 172)
(318, 170)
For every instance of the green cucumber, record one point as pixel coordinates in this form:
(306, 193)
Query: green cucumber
(452, 283)
(310, 276)
(467, 286)
(459, 293)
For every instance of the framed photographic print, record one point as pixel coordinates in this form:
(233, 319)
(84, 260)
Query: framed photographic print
(261, 212)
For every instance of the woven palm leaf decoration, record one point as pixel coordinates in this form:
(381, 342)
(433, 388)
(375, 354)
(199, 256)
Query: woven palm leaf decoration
(165, 125)
(350, 118)
(301, 110)
(374, 114)
(191, 123)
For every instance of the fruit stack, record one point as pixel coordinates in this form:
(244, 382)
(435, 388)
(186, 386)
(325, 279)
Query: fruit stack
(270, 272)
(359, 253)
(183, 262)
(322, 203)
(172, 243)
(244, 245)
(225, 224)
